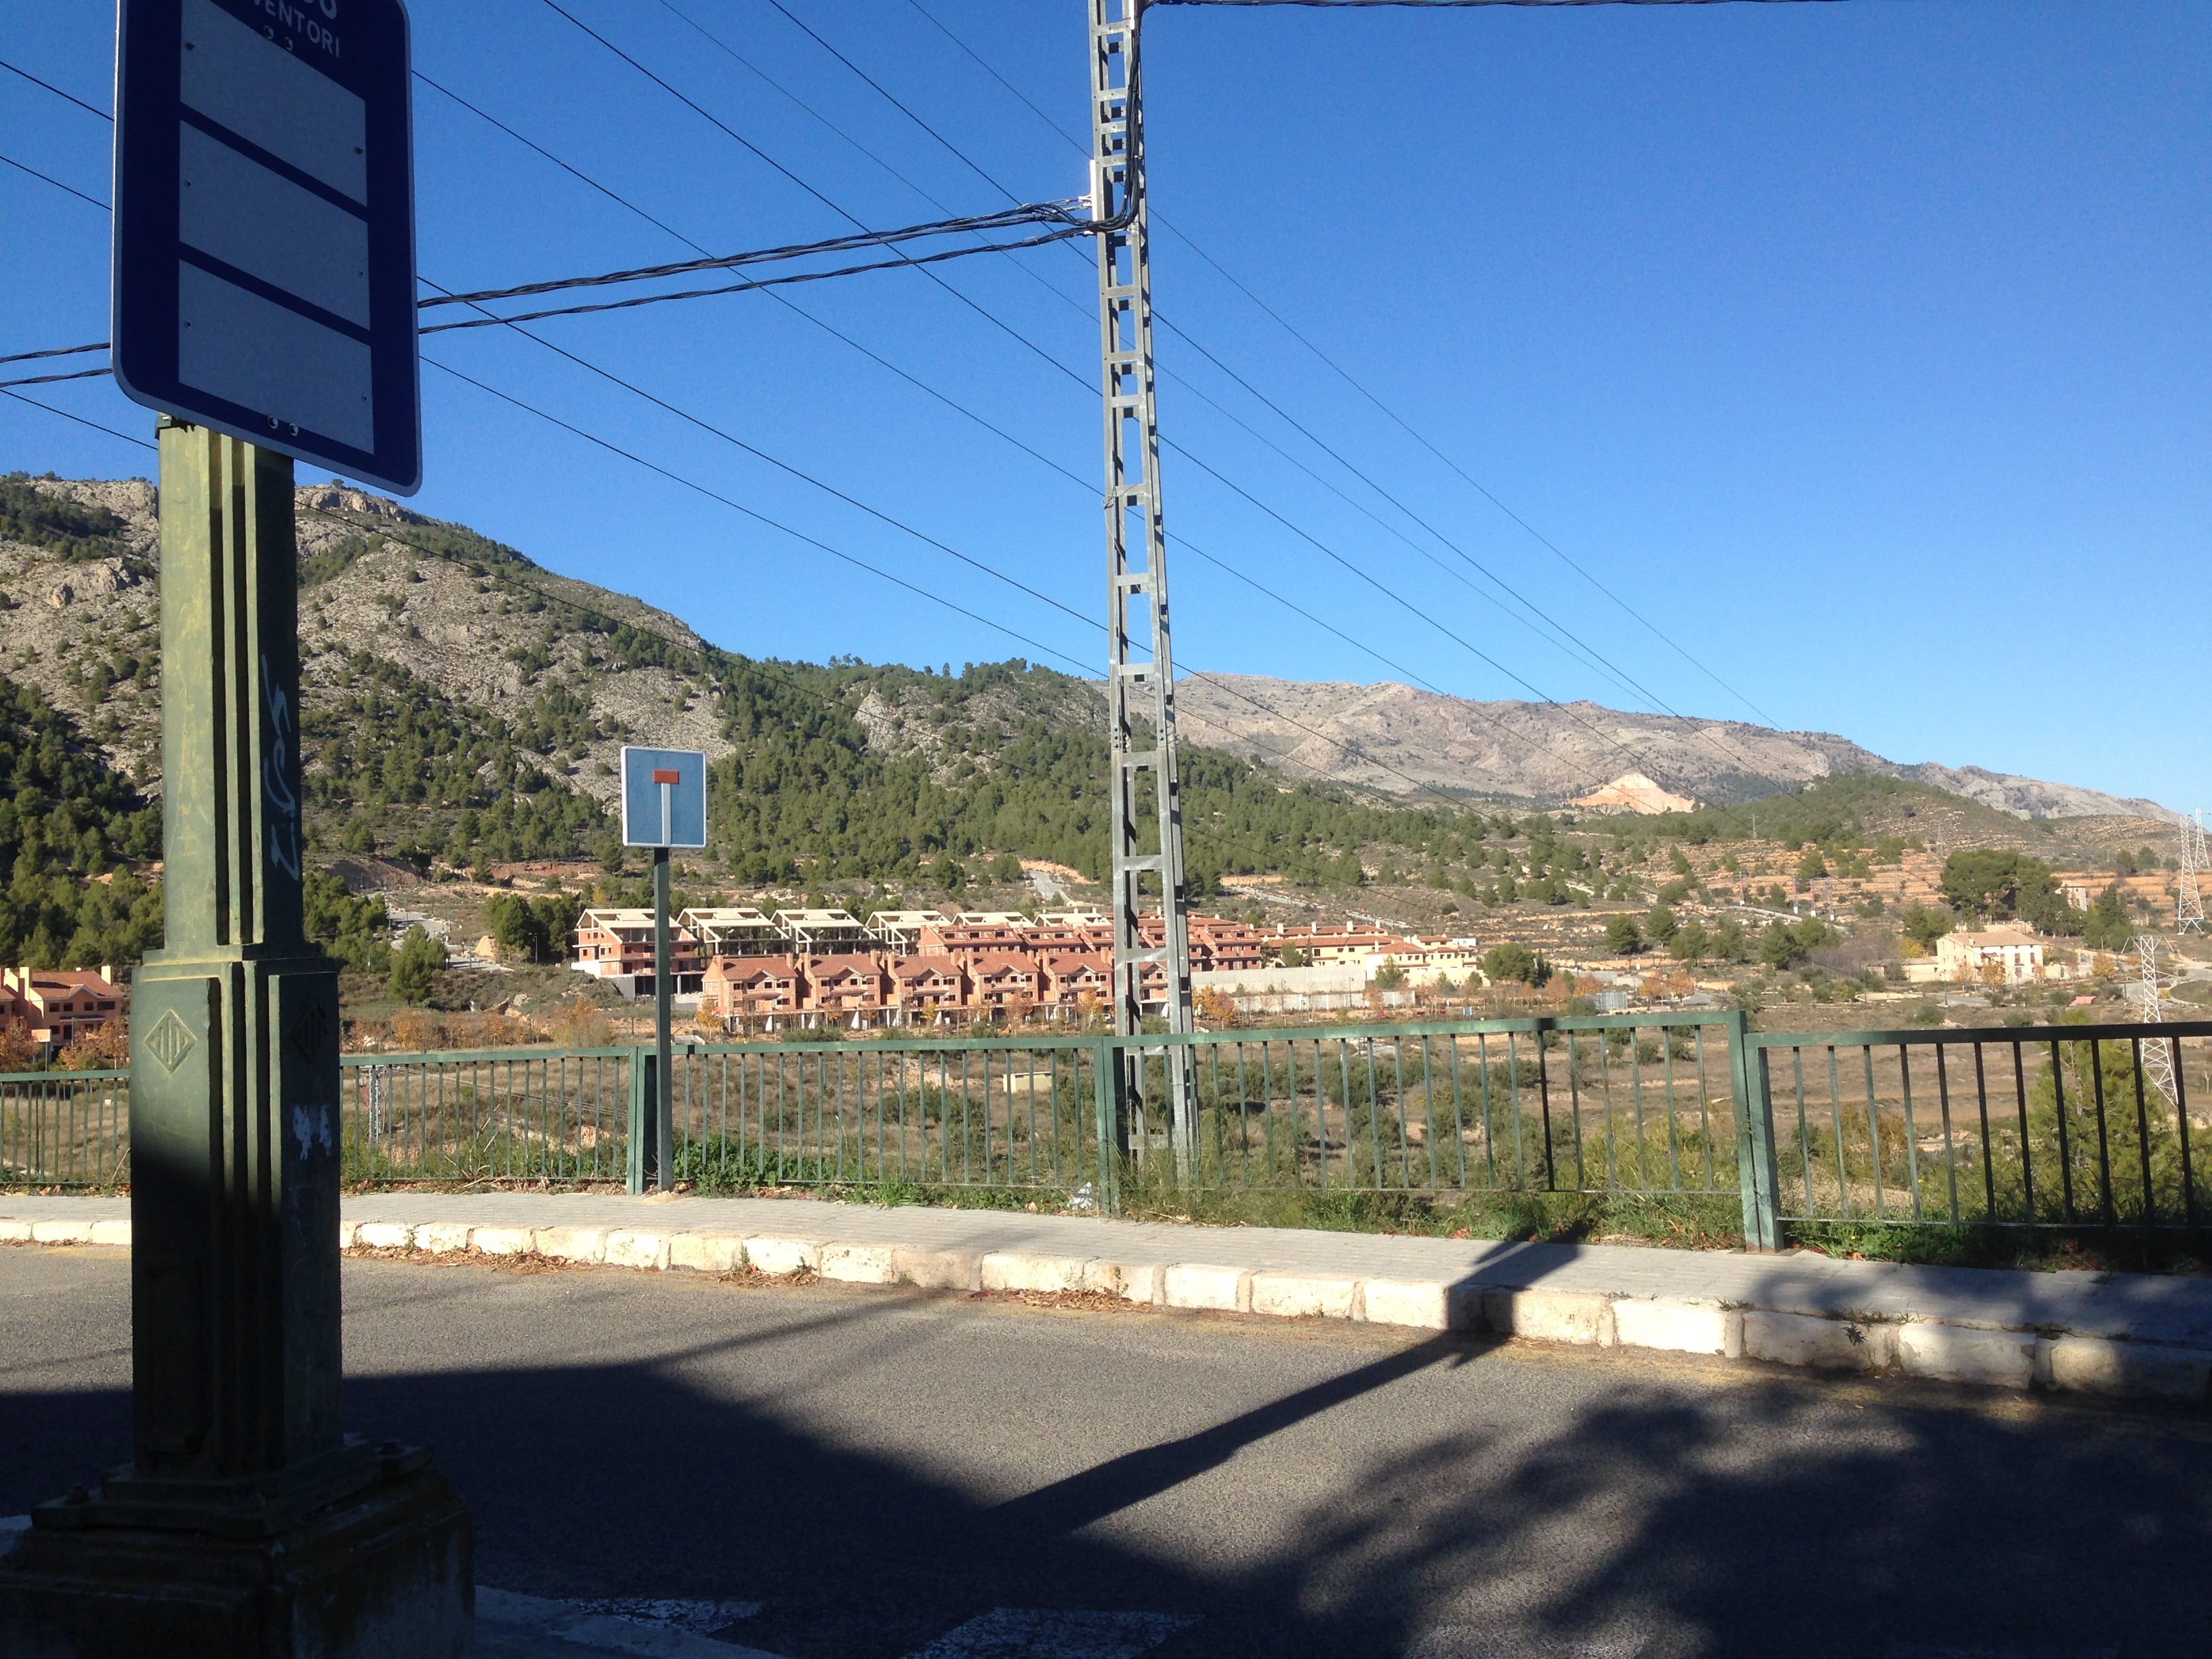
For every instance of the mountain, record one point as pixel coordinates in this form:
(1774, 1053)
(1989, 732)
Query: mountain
(1403, 741)
(463, 705)
(460, 704)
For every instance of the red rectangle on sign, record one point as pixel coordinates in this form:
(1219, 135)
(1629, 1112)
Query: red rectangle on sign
(660, 776)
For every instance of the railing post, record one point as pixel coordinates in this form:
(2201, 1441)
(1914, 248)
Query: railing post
(1754, 1137)
(644, 1114)
(1106, 1104)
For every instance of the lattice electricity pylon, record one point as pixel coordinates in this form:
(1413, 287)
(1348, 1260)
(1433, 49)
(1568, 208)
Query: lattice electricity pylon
(1141, 666)
(2148, 992)
(2188, 888)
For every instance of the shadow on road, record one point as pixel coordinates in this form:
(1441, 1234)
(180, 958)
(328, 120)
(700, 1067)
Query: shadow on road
(1441, 1497)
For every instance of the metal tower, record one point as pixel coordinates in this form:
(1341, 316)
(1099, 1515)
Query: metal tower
(2148, 993)
(1141, 666)
(2188, 887)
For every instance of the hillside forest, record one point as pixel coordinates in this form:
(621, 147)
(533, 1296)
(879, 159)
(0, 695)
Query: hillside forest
(460, 707)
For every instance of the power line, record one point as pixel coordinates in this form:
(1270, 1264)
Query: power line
(973, 563)
(1027, 213)
(749, 512)
(47, 177)
(90, 109)
(952, 149)
(758, 454)
(1339, 742)
(866, 235)
(54, 351)
(1040, 352)
(1205, 831)
(1619, 676)
(1466, 478)
(573, 172)
(1232, 690)
(49, 379)
(550, 287)
(1350, 380)
(752, 149)
(67, 416)
(1019, 95)
(904, 261)
(966, 559)
(988, 178)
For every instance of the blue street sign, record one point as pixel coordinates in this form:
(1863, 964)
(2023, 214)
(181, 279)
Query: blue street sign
(265, 227)
(664, 797)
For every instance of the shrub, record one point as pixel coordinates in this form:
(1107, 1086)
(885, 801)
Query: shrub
(416, 966)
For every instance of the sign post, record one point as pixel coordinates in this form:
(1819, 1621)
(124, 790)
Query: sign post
(664, 805)
(263, 302)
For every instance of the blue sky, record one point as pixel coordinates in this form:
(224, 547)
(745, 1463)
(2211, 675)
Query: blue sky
(1863, 350)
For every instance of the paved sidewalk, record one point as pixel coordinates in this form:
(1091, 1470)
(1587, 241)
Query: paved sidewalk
(2118, 1333)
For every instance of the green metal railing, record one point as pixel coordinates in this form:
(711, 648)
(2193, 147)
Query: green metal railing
(2053, 1125)
(64, 1129)
(1644, 1103)
(505, 1115)
(2066, 1126)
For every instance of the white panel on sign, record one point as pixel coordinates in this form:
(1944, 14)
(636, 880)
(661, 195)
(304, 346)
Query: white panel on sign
(249, 350)
(234, 208)
(271, 97)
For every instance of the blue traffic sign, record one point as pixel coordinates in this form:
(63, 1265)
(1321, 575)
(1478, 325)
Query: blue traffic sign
(265, 227)
(663, 794)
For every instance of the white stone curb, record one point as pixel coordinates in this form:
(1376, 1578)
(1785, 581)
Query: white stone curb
(1938, 1350)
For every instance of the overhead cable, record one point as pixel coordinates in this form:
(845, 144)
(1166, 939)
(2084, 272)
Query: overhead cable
(49, 379)
(904, 261)
(1358, 386)
(758, 517)
(48, 177)
(54, 351)
(90, 109)
(68, 416)
(1028, 213)
(1084, 384)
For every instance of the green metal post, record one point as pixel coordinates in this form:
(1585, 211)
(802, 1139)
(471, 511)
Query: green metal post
(1756, 1164)
(642, 1093)
(241, 1474)
(1106, 1096)
(234, 1026)
(664, 987)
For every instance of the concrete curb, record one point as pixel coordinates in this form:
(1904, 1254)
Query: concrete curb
(1965, 1350)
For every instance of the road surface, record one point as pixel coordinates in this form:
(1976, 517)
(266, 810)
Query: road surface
(890, 1474)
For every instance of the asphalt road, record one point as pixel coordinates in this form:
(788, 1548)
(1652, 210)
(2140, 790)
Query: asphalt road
(878, 1469)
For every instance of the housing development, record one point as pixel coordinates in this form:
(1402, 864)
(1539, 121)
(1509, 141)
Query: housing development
(758, 972)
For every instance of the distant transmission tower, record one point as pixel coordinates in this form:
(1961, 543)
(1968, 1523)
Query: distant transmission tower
(1141, 666)
(2148, 993)
(2188, 888)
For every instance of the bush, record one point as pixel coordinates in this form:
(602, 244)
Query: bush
(1514, 960)
(533, 930)
(416, 966)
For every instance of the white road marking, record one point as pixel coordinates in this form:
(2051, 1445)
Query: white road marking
(1923, 1650)
(1027, 1633)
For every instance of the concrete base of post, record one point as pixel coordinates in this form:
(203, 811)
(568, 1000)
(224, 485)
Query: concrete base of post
(383, 1573)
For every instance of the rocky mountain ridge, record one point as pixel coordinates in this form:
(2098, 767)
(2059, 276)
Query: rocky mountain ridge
(572, 671)
(1403, 741)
